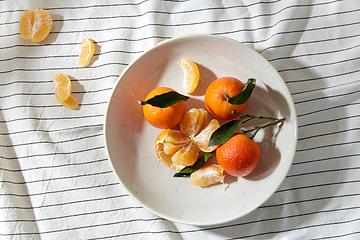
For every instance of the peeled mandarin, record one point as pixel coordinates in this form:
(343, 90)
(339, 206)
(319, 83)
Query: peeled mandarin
(180, 148)
(35, 25)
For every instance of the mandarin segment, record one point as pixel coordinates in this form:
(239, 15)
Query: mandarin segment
(63, 86)
(207, 175)
(191, 75)
(186, 156)
(86, 52)
(201, 140)
(63, 91)
(35, 25)
(193, 121)
(70, 103)
(168, 136)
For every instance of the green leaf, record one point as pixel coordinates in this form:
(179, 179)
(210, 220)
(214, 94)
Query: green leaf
(244, 95)
(165, 100)
(186, 172)
(224, 133)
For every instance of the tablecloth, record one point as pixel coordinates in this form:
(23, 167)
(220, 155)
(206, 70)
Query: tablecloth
(56, 180)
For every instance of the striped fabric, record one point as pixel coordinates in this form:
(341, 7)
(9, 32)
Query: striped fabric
(56, 180)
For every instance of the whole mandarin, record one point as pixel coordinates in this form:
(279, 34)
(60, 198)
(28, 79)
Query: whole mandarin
(163, 118)
(217, 95)
(239, 156)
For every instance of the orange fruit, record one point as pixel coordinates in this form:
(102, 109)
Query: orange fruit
(63, 91)
(180, 148)
(86, 52)
(63, 86)
(207, 175)
(239, 156)
(191, 75)
(168, 117)
(216, 98)
(35, 25)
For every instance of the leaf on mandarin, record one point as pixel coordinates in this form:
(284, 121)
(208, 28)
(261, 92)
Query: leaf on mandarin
(186, 172)
(224, 133)
(165, 100)
(245, 94)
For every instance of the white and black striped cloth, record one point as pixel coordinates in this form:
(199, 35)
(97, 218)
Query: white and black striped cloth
(56, 181)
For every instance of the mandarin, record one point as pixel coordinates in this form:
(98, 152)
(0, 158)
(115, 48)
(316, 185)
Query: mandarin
(163, 118)
(239, 156)
(217, 95)
(35, 25)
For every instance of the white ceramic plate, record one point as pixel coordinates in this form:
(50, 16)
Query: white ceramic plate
(130, 139)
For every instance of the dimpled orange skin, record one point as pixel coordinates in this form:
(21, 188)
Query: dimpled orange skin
(163, 118)
(239, 156)
(215, 102)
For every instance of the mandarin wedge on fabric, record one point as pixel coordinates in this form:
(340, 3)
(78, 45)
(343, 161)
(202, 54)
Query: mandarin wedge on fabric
(70, 103)
(35, 25)
(191, 75)
(63, 91)
(86, 52)
(63, 86)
